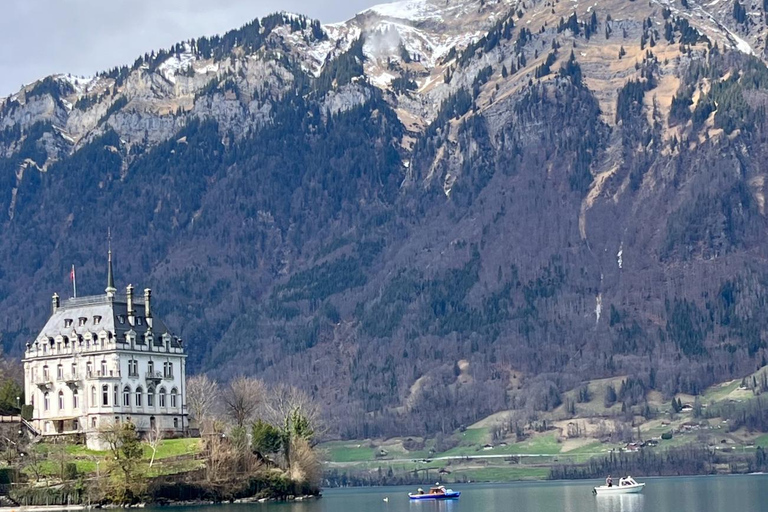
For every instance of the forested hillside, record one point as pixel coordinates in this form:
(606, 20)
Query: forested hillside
(427, 214)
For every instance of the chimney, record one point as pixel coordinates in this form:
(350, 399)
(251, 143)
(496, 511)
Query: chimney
(147, 299)
(55, 302)
(129, 299)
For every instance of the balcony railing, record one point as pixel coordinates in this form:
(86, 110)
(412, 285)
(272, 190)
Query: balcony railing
(98, 299)
(154, 376)
(44, 381)
(98, 374)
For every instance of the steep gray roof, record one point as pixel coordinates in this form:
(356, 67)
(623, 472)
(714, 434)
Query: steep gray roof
(112, 314)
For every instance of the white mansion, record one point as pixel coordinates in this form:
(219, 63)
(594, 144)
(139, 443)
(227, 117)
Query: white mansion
(103, 359)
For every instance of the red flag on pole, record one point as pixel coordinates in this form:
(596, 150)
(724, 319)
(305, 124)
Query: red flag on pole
(74, 281)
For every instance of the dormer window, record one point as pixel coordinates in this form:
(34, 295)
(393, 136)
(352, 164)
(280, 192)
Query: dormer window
(121, 319)
(67, 322)
(97, 319)
(138, 320)
(81, 321)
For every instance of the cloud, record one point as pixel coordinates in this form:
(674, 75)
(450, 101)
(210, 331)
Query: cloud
(82, 37)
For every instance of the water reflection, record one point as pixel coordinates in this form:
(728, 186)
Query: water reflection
(434, 505)
(686, 494)
(620, 503)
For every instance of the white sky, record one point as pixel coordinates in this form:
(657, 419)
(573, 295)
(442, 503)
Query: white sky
(43, 37)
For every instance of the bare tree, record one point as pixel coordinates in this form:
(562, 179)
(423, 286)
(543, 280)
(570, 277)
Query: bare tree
(242, 398)
(219, 456)
(286, 402)
(154, 436)
(203, 395)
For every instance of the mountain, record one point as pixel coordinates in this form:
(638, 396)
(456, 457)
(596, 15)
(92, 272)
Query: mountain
(434, 211)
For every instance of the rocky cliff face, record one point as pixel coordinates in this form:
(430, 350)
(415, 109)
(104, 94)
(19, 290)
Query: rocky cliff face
(437, 205)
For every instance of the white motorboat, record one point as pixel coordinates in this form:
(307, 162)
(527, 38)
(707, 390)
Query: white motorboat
(627, 485)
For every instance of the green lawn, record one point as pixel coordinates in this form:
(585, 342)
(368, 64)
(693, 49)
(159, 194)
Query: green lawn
(174, 448)
(341, 451)
(86, 460)
(762, 441)
(719, 392)
(476, 436)
(167, 448)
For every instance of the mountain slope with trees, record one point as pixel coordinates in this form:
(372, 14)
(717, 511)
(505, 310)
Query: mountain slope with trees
(420, 217)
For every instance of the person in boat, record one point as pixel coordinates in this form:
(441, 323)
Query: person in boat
(609, 481)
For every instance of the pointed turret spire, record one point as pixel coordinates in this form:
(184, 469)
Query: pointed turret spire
(110, 278)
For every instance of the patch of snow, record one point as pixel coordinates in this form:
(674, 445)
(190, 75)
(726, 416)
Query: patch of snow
(741, 44)
(382, 79)
(80, 84)
(209, 68)
(293, 16)
(414, 10)
(620, 255)
(427, 83)
(598, 307)
(173, 64)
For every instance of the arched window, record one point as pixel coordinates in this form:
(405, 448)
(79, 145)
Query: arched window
(138, 396)
(94, 403)
(104, 395)
(61, 400)
(126, 396)
(173, 397)
(75, 400)
(161, 397)
(150, 397)
(46, 401)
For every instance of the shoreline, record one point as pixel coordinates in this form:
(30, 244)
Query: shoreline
(244, 501)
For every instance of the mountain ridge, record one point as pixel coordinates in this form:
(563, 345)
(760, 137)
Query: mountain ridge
(404, 216)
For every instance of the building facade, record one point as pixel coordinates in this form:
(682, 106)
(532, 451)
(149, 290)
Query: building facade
(104, 359)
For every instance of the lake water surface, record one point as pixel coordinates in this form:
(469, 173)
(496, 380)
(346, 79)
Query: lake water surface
(682, 494)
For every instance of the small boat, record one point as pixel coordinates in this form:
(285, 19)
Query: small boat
(627, 485)
(439, 492)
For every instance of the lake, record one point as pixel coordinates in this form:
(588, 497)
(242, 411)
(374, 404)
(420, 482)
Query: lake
(680, 494)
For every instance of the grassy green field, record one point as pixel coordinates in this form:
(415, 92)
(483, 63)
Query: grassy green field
(173, 456)
(340, 451)
(474, 458)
